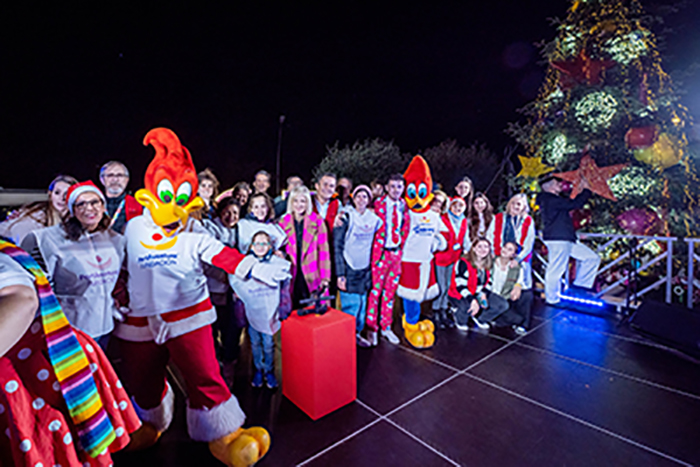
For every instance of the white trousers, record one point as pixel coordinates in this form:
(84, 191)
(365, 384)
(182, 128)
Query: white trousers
(559, 252)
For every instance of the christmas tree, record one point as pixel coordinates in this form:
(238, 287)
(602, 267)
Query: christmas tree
(606, 100)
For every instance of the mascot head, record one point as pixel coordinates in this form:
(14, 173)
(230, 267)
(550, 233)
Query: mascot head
(171, 185)
(419, 185)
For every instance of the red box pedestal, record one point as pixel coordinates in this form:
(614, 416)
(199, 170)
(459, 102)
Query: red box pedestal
(319, 362)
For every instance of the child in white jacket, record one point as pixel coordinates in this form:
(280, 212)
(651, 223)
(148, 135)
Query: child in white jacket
(262, 306)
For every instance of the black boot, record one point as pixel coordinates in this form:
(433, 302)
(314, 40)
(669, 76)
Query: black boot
(437, 320)
(447, 319)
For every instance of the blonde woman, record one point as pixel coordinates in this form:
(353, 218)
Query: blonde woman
(517, 226)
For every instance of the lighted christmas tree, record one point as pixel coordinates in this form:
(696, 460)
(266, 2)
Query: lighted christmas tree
(607, 96)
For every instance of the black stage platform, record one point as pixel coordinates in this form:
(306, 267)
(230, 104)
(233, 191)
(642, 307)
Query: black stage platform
(576, 390)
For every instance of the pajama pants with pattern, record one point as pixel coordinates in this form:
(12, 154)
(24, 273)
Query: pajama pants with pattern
(385, 281)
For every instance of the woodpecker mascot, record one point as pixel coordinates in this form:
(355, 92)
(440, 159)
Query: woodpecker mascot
(170, 313)
(417, 282)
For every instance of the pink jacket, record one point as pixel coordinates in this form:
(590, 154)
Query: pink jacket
(315, 251)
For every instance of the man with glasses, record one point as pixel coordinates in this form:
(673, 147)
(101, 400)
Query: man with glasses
(121, 207)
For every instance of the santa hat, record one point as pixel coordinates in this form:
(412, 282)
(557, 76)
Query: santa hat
(78, 189)
(457, 199)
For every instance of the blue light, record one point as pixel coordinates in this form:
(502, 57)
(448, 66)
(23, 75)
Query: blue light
(583, 301)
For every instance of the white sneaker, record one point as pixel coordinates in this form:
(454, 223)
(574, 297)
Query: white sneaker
(519, 330)
(462, 327)
(362, 342)
(389, 335)
(373, 338)
(480, 325)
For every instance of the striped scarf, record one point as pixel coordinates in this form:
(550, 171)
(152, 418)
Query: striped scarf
(69, 362)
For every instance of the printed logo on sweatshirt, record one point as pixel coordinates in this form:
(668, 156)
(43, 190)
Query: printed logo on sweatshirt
(154, 260)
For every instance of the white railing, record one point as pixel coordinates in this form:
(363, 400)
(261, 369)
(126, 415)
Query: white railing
(691, 282)
(637, 243)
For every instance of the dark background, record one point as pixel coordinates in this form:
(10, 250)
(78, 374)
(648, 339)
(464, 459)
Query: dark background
(83, 84)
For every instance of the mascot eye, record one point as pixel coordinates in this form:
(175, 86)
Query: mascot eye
(184, 192)
(422, 191)
(411, 191)
(165, 190)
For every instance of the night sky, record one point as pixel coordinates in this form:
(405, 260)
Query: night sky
(83, 85)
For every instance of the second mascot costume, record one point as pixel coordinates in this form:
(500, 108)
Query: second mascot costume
(171, 312)
(417, 282)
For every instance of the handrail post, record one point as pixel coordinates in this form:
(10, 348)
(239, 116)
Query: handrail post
(691, 273)
(669, 270)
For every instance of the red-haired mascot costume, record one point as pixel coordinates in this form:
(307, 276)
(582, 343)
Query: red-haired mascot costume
(417, 283)
(170, 311)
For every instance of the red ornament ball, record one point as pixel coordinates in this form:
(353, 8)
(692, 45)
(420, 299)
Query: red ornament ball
(641, 137)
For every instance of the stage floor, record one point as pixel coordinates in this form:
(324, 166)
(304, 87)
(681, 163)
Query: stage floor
(576, 390)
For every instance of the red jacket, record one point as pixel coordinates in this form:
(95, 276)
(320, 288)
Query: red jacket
(331, 213)
(455, 240)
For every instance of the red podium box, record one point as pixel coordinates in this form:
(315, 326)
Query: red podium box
(319, 361)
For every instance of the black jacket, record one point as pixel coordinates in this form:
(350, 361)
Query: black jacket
(556, 220)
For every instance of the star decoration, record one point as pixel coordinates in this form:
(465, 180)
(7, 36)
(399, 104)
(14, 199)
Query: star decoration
(597, 177)
(532, 167)
(581, 69)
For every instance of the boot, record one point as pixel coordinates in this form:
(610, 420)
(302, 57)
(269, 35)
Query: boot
(242, 448)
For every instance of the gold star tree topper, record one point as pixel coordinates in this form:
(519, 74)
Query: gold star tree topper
(532, 167)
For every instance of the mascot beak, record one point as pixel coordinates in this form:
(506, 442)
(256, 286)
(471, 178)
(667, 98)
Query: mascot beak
(167, 214)
(419, 204)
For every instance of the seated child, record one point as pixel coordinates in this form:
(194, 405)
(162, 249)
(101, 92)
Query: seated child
(468, 292)
(262, 306)
(507, 280)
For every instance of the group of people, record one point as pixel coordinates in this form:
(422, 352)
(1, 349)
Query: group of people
(337, 238)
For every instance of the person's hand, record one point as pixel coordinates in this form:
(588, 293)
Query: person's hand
(339, 220)
(325, 283)
(474, 308)
(513, 263)
(516, 292)
(342, 283)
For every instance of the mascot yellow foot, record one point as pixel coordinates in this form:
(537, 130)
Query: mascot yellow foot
(419, 335)
(241, 448)
(143, 438)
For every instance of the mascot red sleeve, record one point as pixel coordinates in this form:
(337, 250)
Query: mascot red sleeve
(417, 282)
(170, 312)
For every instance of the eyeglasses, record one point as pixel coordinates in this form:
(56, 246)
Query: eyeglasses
(95, 203)
(261, 244)
(115, 176)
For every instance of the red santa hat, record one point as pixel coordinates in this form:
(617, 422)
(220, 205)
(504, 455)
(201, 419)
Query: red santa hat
(78, 189)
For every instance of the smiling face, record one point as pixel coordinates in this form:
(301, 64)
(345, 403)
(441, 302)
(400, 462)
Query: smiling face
(258, 207)
(206, 189)
(230, 215)
(458, 206)
(89, 209)
(508, 251)
(57, 197)
(260, 244)
(395, 189)
(463, 189)
(480, 205)
(261, 183)
(361, 200)
(516, 206)
(482, 249)
(325, 188)
(438, 203)
(299, 206)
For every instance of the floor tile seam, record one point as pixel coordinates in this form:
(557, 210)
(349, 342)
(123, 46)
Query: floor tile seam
(614, 372)
(430, 359)
(578, 420)
(368, 408)
(422, 394)
(500, 349)
(421, 441)
(339, 442)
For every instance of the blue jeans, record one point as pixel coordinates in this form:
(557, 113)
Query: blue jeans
(263, 347)
(354, 304)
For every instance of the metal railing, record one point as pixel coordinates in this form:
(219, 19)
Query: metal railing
(627, 245)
